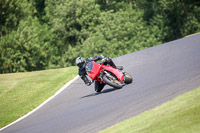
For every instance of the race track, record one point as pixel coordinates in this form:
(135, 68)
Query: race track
(160, 74)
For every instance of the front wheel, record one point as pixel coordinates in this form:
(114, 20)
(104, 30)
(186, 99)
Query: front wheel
(128, 78)
(112, 81)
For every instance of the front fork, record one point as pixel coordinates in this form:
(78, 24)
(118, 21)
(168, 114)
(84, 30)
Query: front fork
(102, 73)
(110, 76)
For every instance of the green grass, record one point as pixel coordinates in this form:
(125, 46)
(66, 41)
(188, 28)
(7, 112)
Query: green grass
(181, 115)
(22, 92)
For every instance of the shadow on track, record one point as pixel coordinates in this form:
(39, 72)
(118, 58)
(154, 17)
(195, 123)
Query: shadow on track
(98, 93)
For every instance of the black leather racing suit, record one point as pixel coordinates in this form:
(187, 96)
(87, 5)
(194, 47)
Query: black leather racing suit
(82, 72)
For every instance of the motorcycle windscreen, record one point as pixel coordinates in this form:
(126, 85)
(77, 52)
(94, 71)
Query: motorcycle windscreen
(92, 69)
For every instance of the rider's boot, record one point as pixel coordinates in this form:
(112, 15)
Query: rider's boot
(111, 63)
(120, 67)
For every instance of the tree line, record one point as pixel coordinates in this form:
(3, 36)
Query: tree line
(43, 34)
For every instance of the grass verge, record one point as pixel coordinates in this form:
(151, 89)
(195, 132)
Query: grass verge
(181, 115)
(22, 92)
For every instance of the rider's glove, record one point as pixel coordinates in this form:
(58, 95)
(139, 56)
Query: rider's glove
(103, 60)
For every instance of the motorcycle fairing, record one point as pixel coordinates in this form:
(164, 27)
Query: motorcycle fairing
(93, 69)
(116, 72)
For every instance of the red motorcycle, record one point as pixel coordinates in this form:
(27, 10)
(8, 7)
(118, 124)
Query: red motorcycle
(107, 75)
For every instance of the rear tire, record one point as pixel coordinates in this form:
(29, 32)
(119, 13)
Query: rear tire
(109, 82)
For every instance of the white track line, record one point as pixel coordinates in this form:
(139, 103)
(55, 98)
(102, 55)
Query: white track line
(58, 92)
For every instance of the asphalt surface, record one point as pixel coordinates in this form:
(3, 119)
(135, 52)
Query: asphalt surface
(160, 74)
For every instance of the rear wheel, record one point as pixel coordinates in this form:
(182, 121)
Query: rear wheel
(112, 81)
(128, 78)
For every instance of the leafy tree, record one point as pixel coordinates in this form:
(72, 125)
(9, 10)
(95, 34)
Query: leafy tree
(114, 5)
(179, 17)
(36, 35)
(27, 49)
(39, 9)
(118, 33)
(72, 21)
(11, 12)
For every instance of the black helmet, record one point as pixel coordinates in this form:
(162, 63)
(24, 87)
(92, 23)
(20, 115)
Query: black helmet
(80, 61)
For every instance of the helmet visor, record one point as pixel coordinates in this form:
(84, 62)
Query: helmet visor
(80, 64)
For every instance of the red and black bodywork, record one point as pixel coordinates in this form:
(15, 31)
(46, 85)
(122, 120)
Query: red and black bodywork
(104, 73)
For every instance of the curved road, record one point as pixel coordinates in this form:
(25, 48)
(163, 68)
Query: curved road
(160, 74)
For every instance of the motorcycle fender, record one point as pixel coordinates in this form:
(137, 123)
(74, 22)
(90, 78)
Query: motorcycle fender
(116, 72)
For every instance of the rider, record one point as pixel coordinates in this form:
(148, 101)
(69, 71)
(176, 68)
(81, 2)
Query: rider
(81, 62)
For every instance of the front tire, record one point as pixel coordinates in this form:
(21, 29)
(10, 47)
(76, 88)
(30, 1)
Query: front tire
(128, 78)
(112, 82)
